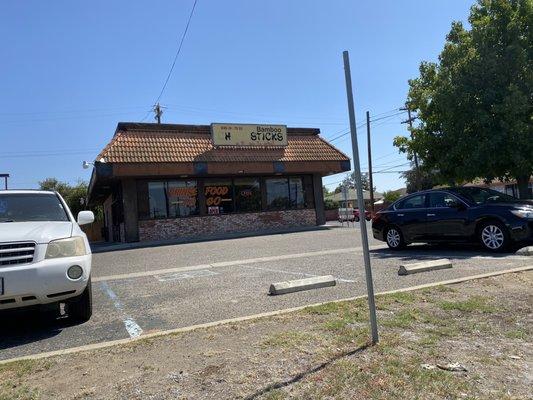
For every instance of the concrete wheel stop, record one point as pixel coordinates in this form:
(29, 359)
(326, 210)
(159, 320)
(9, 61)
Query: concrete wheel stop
(407, 269)
(298, 285)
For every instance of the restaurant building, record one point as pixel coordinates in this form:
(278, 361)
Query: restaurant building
(168, 181)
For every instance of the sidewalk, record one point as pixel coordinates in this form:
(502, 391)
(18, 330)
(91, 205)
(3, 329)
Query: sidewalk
(101, 247)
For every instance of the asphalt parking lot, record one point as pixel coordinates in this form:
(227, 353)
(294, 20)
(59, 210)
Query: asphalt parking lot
(145, 290)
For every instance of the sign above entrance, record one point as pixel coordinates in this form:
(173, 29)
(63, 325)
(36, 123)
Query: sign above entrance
(249, 135)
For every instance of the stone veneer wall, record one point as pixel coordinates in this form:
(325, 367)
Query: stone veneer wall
(160, 229)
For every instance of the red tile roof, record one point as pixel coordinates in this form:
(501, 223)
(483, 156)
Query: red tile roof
(165, 143)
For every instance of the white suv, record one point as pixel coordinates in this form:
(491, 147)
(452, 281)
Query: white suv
(45, 258)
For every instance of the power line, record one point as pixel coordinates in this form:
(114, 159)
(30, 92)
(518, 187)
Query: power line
(75, 111)
(364, 124)
(177, 52)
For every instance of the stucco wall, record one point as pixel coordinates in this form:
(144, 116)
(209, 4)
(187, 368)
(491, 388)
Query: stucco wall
(162, 229)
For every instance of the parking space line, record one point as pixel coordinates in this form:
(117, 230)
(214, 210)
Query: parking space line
(178, 276)
(134, 330)
(292, 273)
(232, 263)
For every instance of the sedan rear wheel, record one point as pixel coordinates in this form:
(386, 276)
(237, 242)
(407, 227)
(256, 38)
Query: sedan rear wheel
(493, 236)
(394, 238)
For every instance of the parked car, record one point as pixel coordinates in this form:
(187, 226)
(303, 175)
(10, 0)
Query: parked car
(368, 215)
(45, 258)
(458, 214)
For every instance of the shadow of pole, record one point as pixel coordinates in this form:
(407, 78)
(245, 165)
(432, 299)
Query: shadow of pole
(302, 375)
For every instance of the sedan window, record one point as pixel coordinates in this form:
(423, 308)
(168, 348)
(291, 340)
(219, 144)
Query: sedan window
(442, 200)
(479, 195)
(418, 201)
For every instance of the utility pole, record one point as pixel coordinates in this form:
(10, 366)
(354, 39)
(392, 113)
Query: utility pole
(360, 201)
(5, 176)
(158, 112)
(369, 144)
(410, 122)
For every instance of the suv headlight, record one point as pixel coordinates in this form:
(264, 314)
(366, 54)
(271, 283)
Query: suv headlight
(70, 247)
(523, 213)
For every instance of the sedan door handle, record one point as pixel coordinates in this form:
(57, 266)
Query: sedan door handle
(400, 215)
(430, 215)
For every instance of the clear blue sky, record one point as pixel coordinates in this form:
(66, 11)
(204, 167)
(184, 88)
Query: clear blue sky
(70, 70)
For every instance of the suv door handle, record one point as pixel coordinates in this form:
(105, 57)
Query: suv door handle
(430, 215)
(400, 215)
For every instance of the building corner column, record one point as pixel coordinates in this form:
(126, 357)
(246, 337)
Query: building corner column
(319, 199)
(129, 204)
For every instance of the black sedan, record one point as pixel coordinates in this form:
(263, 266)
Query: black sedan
(458, 214)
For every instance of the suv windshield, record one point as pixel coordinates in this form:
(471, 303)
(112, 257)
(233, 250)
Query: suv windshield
(22, 207)
(483, 196)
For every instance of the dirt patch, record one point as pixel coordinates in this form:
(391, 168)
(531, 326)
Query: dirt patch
(320, 352)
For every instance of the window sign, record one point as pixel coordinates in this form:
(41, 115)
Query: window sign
(182, 198)
(218, 196)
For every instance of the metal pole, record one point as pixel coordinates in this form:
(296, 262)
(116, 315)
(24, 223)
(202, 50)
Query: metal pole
(360, 200)
(370, 163)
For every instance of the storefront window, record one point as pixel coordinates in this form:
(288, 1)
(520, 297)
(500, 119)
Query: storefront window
(157, 200)
(285, 193)
(218, 196)
(296, 193)
(182, 198)
(277, 193)
(247, 195)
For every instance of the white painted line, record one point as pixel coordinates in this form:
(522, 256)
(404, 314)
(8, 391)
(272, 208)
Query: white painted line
(232, 263)
(184, 275)
(298, 285)
(111, 343)
(133, 329)
(281, 271)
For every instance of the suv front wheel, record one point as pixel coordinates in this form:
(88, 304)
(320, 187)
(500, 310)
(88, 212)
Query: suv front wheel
(80, 309)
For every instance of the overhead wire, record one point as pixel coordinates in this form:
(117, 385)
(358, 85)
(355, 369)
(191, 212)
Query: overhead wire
(175, 57)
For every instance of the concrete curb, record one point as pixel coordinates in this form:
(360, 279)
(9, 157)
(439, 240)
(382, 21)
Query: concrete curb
(433, 265)
(526, 251)
(297, 285)
(111, 343)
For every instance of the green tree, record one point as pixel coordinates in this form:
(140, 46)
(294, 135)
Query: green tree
(349, 180)
(390, 196)
(475, 105)
(63, 188)
(419, 179)
(75, 196)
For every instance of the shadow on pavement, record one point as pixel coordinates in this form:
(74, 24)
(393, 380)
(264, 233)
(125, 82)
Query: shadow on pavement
(302, 375)
(432, 251)
(22, 327)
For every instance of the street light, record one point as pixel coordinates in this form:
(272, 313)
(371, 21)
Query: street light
(86, 164)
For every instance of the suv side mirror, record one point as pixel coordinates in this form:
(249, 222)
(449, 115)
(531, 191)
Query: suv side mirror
(85, 217)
